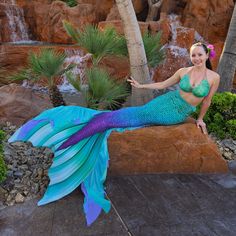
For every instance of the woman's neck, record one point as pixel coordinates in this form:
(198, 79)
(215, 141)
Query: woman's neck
(201, 69)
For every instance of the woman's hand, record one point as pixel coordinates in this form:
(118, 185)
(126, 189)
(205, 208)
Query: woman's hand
(134, 83)
(201, 124)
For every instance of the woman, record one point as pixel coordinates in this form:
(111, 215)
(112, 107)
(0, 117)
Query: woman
(78, 136)
(198, 83)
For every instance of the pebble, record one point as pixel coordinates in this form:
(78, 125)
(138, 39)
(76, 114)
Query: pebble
(19, 198)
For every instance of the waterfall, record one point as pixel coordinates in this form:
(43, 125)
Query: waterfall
(16, 21)
(75, 57)
(176, 50)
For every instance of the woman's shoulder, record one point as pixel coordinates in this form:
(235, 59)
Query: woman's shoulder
(213, 75)
(184, 70)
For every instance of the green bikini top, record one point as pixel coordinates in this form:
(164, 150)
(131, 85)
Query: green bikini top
(200, 90)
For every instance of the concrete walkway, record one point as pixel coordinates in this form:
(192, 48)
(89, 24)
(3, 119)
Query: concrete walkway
(160, 204)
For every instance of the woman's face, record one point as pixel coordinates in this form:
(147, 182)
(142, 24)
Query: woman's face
(198, 56)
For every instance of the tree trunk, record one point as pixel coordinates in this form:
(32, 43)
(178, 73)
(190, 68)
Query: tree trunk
(137, 56)
(56, 96)
(154, 6)
(227, 64)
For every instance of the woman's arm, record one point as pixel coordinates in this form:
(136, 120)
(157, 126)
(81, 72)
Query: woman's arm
(206, 104)
(159, 85)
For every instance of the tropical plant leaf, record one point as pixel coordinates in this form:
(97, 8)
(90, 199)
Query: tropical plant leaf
(154, 51)
(47, 63)
(103, 92)
(73, 80)
(23, 74)
(98, 43)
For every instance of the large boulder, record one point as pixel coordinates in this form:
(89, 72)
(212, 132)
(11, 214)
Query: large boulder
(49, 20)
(210, 18)
(45, 18)
(19, 104)
(164, 149)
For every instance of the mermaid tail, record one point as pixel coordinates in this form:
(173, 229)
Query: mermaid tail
(167, 109)
(78, 138)
(75, 165)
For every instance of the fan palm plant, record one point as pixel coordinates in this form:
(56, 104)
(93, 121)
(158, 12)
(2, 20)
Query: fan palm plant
(108, 42)
(46, 64)
(98, 43)
(103, 92)
(154, 51)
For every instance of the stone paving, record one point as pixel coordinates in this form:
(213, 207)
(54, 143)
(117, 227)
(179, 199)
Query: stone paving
(142, 205)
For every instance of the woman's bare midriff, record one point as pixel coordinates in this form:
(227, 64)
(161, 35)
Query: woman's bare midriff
(190, 98)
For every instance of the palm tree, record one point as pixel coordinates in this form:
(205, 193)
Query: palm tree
(96, 42)
(46, 64)
(227, 63)
(102, 91)
(138, 61)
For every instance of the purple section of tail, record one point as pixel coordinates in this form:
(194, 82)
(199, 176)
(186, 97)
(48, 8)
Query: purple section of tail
(125, 117)
(92, 210)
(27, 127)
(99, 123)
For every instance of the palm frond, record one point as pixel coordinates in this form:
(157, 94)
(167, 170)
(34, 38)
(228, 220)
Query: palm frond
(47, 63)
(98, 43)
(23, 74)
(154, 52)
(73, 80)
(103, 92)
(70, 30)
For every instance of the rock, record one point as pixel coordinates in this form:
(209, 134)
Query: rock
(229, 144)
(18, 104)
(19, 198)
(162, 25)
(185, 37)
(171, 64)
(113, 14)
(171, 149)
(117, 24)
(227, 155)
(18, 173)
(210, 18)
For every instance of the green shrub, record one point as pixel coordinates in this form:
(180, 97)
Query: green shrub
(221, 115)
(3, 168)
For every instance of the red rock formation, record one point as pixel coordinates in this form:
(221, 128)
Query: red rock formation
(18, 104)
(117, 24)
(49, 20)
(170, 65)
(210, 18)
(160, 149)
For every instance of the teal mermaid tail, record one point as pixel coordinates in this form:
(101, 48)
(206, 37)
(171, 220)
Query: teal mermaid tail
(75, 165)
(78, 138)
